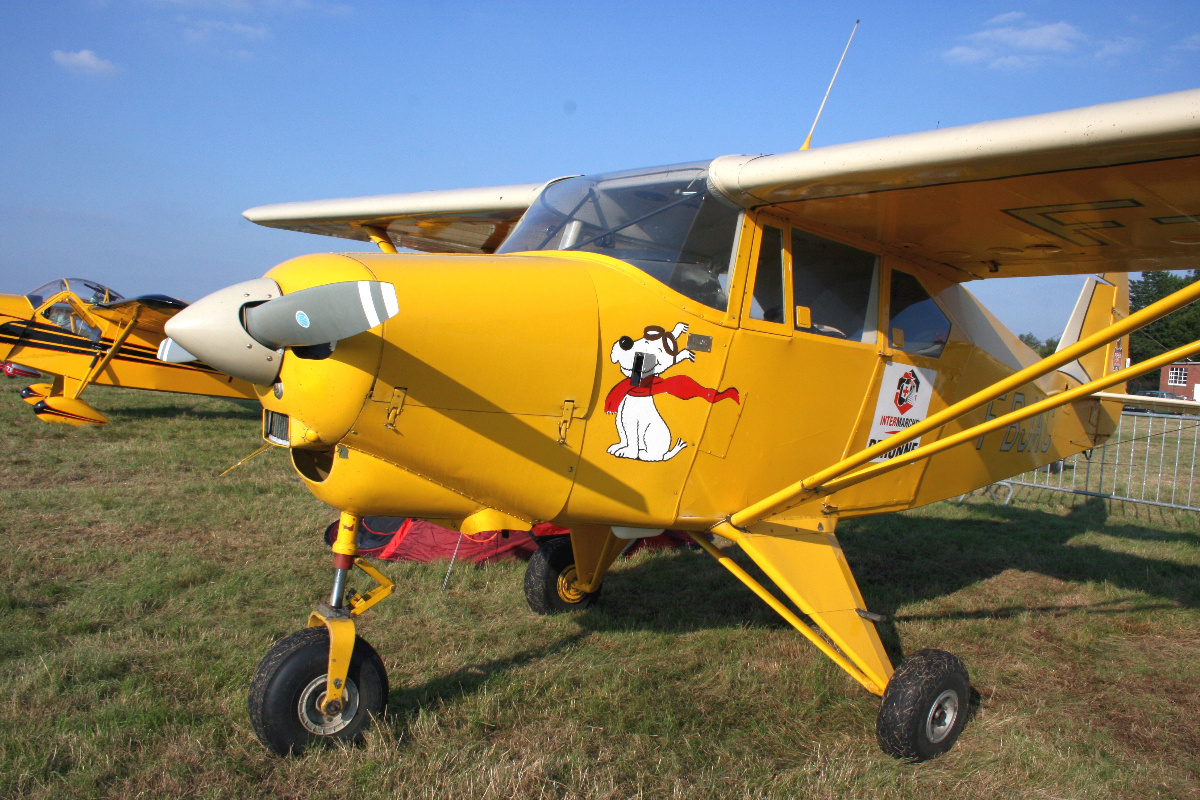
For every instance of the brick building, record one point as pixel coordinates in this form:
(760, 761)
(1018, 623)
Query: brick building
(1182, 378)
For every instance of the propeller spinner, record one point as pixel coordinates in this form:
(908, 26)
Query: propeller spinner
(243, 329)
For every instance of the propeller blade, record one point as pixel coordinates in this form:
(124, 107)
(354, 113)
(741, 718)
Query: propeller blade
(242, 330)
(322, 314)
(170, 351)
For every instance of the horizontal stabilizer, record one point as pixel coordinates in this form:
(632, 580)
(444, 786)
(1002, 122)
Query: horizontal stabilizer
(1160, 404)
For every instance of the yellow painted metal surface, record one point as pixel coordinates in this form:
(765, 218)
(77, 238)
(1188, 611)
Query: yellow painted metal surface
(810, 568)
(834, 655)
(346, 543)
(1049, 224)
(595, 548)
(323, 397)
(341, 650)
(361, 603)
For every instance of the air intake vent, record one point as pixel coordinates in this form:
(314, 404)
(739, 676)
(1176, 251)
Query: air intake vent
(275, 428)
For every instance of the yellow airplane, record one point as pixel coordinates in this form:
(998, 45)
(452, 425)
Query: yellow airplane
(754, 346)
(83, 333)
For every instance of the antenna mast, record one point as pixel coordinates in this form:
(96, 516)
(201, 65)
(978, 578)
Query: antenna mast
(808, 140)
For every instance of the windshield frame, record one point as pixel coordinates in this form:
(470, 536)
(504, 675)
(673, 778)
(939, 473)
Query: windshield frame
(664, 222)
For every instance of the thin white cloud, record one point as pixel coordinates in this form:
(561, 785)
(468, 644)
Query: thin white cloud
(1057, 38)
(1190, 43)
(1013, 41)
(1004, 19)
(85, 61)
(1016, 62)
(202, 30)
(1117, 47)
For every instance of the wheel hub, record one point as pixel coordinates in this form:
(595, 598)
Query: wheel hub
(314, 720)
(942, 716)
(567, 588)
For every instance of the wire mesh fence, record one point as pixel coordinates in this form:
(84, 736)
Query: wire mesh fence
(1151, 458)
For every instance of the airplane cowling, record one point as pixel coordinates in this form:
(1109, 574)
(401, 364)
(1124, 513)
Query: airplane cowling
(484, 382)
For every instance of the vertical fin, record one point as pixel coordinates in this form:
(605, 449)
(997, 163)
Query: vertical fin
(1096, 308)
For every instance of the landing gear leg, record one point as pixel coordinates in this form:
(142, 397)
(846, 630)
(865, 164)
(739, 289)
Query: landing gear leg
(324, 683)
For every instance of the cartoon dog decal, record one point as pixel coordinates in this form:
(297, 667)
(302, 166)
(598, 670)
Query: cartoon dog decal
(644, 434)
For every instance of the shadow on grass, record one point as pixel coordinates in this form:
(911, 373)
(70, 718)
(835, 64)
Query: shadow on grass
(897, 559)
(405, 703)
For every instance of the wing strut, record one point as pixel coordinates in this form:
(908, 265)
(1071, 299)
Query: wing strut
(102, 362)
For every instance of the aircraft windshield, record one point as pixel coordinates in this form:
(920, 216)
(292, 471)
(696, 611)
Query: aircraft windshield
(662, 221)
(87, 291)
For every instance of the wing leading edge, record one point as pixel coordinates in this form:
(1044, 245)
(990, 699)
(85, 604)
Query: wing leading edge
(456, 220)
(1108, 188)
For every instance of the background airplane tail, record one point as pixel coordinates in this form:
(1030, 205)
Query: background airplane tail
(1103, 301)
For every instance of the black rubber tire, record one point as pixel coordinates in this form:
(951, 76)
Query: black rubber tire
(286, 675)
(543, 590)
(924, 707)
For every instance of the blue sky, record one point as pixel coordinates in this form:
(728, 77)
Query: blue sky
(135, 132)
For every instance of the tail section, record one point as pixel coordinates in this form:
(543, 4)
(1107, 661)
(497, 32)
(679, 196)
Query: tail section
(1103, 301)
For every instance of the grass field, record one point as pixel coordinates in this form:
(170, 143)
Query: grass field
(140, 591)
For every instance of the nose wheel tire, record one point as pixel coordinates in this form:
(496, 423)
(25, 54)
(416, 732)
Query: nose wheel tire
(924, 707)
(550, 579)
(289, 686)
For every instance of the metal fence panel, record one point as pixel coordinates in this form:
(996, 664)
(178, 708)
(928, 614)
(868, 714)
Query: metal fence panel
(1151, 458)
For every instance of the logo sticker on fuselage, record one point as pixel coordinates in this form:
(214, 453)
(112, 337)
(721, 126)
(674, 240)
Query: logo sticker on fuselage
(904, 394)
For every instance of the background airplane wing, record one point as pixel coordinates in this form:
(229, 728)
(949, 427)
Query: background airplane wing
(1109, 188)
(458, 220)
(155, 310)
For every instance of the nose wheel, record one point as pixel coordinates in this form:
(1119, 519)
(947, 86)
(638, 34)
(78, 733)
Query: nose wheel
(924, 707)
(287, 695)
(323, 684)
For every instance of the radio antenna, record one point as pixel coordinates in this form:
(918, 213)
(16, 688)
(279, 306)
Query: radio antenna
(808, 141)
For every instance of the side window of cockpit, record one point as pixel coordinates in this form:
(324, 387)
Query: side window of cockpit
(835, 288)
(702, 267)
(768, 298)
(917, 325)
(62, 315)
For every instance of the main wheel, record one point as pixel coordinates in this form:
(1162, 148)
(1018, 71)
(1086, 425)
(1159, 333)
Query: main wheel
(550, 579)
(924, 707)
(289, 685)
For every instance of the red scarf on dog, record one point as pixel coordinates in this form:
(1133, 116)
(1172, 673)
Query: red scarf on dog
(680, 386)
